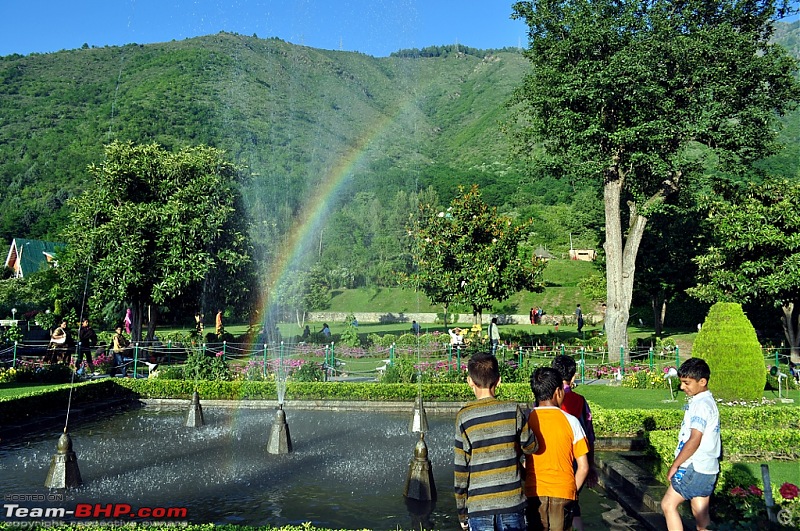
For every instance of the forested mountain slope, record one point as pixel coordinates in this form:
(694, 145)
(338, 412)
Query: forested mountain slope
(364, 131)
(289, 113)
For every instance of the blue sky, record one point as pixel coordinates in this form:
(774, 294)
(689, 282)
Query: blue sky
(374, 27)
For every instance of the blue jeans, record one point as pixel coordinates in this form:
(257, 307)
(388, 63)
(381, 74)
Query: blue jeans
(121, 364)
(498, 522)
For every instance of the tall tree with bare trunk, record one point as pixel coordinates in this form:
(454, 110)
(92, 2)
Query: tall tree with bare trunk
(640, 98)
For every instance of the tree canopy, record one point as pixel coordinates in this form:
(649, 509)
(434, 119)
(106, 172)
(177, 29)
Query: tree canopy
(155, 226)
(639, 98)
(754, 255)
(469, 254)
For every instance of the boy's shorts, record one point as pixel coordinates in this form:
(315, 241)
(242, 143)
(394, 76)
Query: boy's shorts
(555, 514)
(692, 484)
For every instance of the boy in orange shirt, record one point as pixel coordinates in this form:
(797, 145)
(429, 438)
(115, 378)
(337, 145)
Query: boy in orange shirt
(551, 482)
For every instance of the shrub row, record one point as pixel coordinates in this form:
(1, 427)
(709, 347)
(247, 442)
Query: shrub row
(632, 422)
(739, 445)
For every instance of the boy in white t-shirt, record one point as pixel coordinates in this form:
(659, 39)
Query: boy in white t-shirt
(694, 471)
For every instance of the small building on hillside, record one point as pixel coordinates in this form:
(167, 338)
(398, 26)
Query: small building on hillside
(29, 256)
(543, 254)
(587, 255)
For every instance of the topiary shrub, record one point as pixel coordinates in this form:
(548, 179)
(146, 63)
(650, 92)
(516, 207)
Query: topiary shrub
(728, 343)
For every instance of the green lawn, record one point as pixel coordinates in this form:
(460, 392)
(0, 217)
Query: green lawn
(616, 397)
(13, 390)
(561, 279)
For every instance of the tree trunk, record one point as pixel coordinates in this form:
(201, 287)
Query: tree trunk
(620, 264)
(300, 316)
(791, 323)
(659, 307)
(152, 321)
(136, 321)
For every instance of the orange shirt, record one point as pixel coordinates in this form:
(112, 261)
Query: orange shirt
(549, 471)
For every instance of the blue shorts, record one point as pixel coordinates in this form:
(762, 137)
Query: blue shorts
(691, 484)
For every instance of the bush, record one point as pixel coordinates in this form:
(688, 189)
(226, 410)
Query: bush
(10, 335)
(647, 379)
(310, 371)
(202, 366)
(401, 370)
(728, 343)
(350, 337)
(51, 374)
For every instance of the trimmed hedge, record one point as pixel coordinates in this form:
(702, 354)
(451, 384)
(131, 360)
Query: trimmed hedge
(241, 389)
(728, 343)
(607, 422)
(635, 422)
(738, 445)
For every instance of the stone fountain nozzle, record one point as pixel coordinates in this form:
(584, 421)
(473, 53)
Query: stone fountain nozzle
(419, 483)
(280, 442)
(419, 420)
(64, 472)
(195, 417)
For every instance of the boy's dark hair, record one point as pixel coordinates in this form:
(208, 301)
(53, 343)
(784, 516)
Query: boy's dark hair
(694, 368)
(565, 366)
(544, 383)
(484, 370)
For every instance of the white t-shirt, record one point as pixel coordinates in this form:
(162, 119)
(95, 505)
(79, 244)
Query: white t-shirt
(702, 415)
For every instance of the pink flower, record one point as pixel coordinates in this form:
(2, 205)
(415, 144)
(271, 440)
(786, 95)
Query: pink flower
(789, 491)
(738, 492)
(755, 491)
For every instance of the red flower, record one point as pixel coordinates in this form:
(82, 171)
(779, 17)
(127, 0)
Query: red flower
(755, 491)
(738, 492)
(789, 491)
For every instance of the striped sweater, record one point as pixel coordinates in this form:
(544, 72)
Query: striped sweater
(491, 436)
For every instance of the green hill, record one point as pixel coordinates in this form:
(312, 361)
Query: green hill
(290, 114)
(342, 138)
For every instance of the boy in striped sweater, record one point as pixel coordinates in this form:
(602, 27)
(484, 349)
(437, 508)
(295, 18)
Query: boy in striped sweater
(491, 437)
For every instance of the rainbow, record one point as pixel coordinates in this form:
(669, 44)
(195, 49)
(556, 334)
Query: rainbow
(315, 212)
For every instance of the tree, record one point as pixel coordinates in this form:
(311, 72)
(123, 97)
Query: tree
(470, 254)
(754, 255)
(302, 292)
(155, 225)
(670, 242)
(636, 97)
